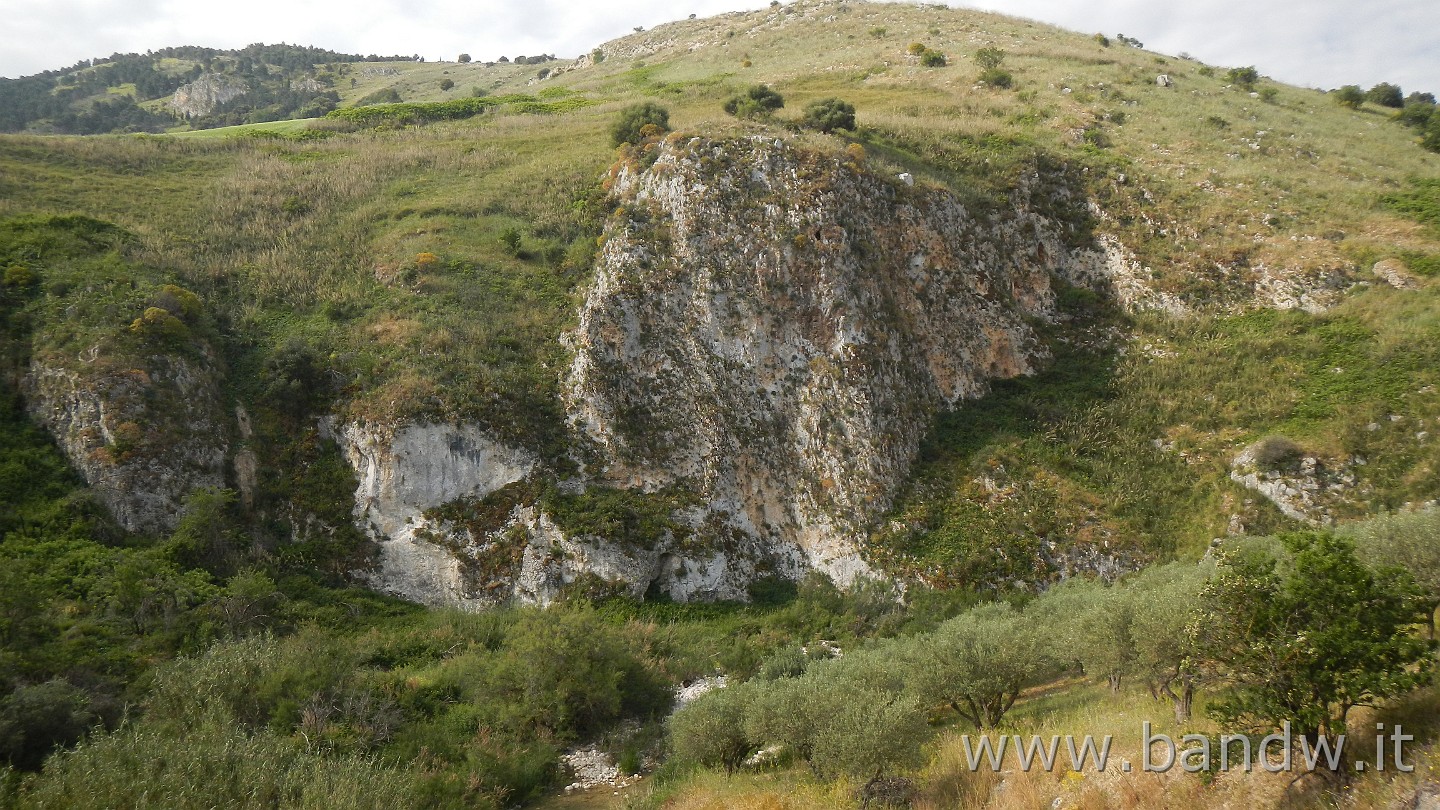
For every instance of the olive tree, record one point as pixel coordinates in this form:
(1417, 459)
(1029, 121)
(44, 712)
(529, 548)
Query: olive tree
(711, 730)
(1163, 604)
(979, 662)
(1408, 540)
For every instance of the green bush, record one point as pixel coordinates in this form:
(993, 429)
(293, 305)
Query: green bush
(996, 77)
(446, 84)
(1416, 114)
(756, 102)
(568, 672)
(711, 730)
(829, 115)
(628, 125)
(1243, 77)
(932, 58)
(386, 96)
(36, 720)
(1350, 96)
(989, 57)
(1386, 95)
(215, 764)
(1431, 139)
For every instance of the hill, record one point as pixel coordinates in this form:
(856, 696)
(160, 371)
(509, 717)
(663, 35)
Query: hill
(1052, 305)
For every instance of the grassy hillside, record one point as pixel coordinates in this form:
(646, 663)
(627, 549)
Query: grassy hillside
(420, 260)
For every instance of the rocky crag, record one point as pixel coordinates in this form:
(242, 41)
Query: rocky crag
(770, 330)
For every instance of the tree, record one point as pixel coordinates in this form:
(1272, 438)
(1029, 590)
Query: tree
(1408, 540)
(1305, 632)
(464, 59)
(756, 102)
(978, 662)
(1416, 114)
(1350, 96)
(627, 127)
(1386, 95)
(1093, 622)
(1243, 77)
(1162, 608)
(829, 114)
(989, 57)
(711, 730)
(842, 716)
(446, 84)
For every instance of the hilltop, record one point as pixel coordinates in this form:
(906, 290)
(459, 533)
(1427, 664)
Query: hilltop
(1051, 306)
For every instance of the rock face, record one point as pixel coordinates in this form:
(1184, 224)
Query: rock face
(774, 329)
(203, 95)
(143, 438)
(405, 472)
(1302, 487)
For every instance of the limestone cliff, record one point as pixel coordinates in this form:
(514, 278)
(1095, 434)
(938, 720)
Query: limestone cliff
(207, 92)
(774, 328)
(143, 435)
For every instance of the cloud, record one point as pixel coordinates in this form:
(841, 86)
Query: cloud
(1320, 43)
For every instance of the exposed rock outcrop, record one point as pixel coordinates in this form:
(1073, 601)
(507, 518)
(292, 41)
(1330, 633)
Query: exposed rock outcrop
(774, 329)
(143, 437)
(1302, 486)
(404, 472)
(207, 92)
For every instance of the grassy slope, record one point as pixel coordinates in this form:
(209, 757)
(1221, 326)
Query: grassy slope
(322, 241)
(319, 241)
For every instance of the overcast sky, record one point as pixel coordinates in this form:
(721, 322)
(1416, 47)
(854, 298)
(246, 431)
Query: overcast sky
(1316, 43)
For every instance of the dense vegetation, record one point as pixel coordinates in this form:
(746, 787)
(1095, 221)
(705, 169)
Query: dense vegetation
(415, 256)
(83, 99)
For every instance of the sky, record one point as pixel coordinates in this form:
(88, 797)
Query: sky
(1312, 43)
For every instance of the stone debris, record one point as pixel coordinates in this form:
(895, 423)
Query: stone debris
(594, 768)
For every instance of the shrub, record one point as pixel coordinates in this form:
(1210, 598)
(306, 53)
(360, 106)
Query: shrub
(989, 57)
(1416, 114)
(1305, 632)
(597, 56)
(18, 275)
(446, 84)
(1103, 40)
(996, 77)
(511, 239)
(568, 672)
(156, 322)
(628, 125)
(878, 32)
(464, 58)
(1386, 95)
(36, 720)
(214, 764)
(1243, 77)
(916, 48)
(1431, 140)
(931, 58)
(756, 102)
(1268, 94)
(386, 96)
(711, 730)
(1350, 96)
(829, 115)
(1274, 452)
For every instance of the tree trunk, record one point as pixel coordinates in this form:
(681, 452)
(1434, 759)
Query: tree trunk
(1114, 680)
